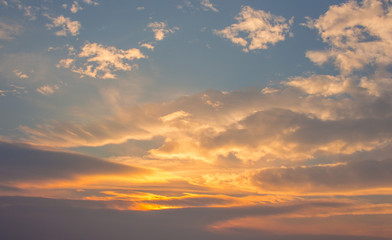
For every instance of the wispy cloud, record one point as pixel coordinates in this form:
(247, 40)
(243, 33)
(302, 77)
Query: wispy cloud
(207, 5)
(262, 28)
(99, 61)
(47, 89)
(160, 30)
(8, 31)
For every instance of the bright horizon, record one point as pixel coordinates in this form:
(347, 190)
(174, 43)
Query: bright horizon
(199, 119)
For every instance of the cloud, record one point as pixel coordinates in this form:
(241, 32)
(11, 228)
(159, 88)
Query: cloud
(148, 46)
(354, 175)
(20, 74)
(12, 90)
(66, 25)
(48, 90)
(140, 8)
(7, 31)
(62, 217)
(91, 2)
(262, 28)
(325, 85)
(21, 163)
(358, 34)
(99, 61)
(160, 30)
(75, 7)
(207, 5)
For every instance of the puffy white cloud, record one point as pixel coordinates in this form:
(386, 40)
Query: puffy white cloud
(160, 30)
(262, 28)
(66, 25)
(207, 5)
(359, 34)
(98, 61)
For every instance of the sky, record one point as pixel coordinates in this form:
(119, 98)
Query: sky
(196, 119)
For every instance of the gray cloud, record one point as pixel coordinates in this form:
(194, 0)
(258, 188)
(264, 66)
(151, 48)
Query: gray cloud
(67, 219)
(20, 162)
(354, 175)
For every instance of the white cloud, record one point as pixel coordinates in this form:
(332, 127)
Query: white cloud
(66, 25)
(47, 90)
(20, 74)
(160, 29)
(8, 30)
(75, 7)
(207, 5)
(140, 8)
(262, 28)
(359, 34)
(98, 61)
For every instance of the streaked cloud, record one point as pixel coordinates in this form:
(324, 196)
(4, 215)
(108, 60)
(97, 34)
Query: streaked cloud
(207, 5)
(262, 29)
(351, 176)
(47, 89)
(17, 160)
(359, 34)
(99, 61)
(66, 25)
(160, 30)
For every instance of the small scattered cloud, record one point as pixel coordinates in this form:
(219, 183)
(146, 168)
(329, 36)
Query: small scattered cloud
(75, 7)
(91, 2)
(140, 8)
(47, 89)
(20, 74)
(160, 30)
(148, 46)
(12, 90)
(207, 5)
(99, 61)
(262, 28)
(66, 25)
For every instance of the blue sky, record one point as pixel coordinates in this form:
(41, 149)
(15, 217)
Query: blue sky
(249, 119)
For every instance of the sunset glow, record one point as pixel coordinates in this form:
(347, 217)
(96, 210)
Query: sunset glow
(196, 119)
